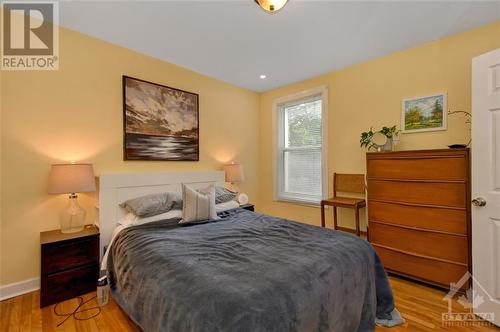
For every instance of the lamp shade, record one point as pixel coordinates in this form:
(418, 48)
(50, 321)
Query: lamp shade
(234, 173)
(71, 178)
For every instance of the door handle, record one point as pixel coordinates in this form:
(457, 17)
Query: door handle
(479, 201)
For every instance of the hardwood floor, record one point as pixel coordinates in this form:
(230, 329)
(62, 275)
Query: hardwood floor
(421, 306)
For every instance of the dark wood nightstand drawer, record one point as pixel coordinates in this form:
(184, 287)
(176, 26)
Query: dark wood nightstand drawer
(70, 264)
(66, 255)
(70, 283)
(248, 206)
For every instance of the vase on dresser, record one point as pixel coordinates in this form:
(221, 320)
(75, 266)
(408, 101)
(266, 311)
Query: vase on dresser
(389, 145)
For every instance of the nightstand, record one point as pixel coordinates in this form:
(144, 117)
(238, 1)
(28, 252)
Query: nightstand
(248, 206)
(70, 264)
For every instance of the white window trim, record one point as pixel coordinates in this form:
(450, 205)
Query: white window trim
(323, 91)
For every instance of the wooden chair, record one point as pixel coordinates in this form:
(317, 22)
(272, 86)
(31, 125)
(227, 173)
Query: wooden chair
(347, 183)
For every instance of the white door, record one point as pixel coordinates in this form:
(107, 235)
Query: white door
(486, 184)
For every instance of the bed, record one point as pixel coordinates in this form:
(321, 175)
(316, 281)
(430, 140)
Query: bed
(245, 272)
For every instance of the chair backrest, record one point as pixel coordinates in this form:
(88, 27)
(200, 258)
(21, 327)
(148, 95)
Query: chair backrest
(348, 183)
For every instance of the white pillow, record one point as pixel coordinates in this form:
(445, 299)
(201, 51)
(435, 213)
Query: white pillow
(127, 219)
(198, 205)
(226, 206)
(172, 214)
(130, 219)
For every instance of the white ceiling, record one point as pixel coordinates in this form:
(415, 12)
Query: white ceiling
(235, 41)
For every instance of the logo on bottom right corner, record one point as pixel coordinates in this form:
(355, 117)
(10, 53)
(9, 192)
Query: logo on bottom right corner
(469, 301)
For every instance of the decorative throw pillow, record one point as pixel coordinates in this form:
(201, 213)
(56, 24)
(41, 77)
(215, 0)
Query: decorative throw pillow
(223, 195)
(198, 205)
(153, 204)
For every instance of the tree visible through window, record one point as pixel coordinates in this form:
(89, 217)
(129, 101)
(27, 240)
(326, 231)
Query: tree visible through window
(304, 124)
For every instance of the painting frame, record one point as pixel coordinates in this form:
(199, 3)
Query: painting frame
(405, 103)
(127, 155)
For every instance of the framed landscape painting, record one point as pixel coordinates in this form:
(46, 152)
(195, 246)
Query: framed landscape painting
(426, 113)
(159, 122)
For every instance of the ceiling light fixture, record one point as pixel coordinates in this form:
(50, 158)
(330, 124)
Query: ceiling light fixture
(262, 76)
(271, 6)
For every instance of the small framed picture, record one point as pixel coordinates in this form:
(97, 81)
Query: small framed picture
(427, 113)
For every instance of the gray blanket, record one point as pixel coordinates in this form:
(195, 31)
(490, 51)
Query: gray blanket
(247, 272)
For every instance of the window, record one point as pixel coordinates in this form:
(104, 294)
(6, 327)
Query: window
(300, 158)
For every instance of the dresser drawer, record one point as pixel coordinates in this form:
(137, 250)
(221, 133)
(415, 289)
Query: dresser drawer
(66, 255)
(436, 272)
(423, 193)
(446, 220)
(449, 247)
(68, 284)
(446, 168)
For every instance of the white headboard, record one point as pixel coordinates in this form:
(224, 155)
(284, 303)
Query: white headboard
(114, 189)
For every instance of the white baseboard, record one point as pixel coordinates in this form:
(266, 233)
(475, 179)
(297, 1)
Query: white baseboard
(19, 288)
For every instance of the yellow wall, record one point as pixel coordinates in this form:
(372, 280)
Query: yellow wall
(76, 114)
(370, 94)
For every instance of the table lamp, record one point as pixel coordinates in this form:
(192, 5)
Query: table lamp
(234, 173)
(72, 179)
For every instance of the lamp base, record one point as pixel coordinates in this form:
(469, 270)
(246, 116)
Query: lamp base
(73, 216)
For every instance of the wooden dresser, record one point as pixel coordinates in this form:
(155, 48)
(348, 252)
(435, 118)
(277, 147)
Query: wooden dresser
(419, 213)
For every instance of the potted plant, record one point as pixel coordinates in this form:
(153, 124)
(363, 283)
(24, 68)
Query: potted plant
(382, 140)
(392, 134)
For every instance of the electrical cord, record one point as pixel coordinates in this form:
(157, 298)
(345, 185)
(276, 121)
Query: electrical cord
(78, 310)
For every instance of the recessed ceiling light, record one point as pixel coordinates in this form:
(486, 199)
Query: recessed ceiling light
(262, 76)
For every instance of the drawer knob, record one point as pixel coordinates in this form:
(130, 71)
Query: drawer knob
(479, 201)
